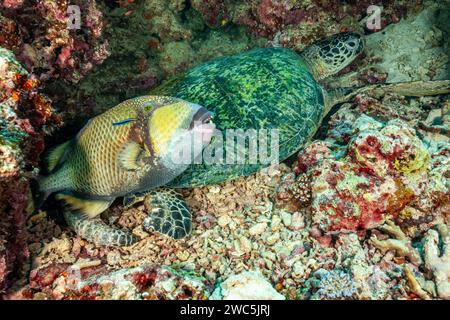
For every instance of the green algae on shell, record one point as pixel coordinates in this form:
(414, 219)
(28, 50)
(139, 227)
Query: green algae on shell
(245, 91)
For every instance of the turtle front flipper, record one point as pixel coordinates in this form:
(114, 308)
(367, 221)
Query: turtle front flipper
(98, 232)
(169, 214)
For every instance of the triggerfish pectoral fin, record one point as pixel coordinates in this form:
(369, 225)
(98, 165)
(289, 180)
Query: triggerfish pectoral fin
(129, 155)
(88, 208)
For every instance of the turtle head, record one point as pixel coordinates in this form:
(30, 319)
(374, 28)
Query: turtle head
(330, 55)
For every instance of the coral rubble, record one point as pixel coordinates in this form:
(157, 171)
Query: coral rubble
(84, 281)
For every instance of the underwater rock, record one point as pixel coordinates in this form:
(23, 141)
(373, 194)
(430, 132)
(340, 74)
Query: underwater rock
(146, 42)
(24, 116)
(248, 285)
(427, 272)
(371, 280)
(369, 173)
(214, 13)
(296, 24)
(10, 37)
(12, 4)
(354, 276)
(422, 55)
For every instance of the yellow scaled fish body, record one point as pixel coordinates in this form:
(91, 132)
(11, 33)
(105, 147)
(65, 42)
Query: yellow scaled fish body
(125, 150)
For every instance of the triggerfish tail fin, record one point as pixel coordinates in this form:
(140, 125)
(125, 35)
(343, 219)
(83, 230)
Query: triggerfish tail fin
(84, 207)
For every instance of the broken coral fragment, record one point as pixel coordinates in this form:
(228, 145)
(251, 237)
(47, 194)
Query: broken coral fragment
(437, 263)
(248, 285)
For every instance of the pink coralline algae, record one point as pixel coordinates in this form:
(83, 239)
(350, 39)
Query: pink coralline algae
(270, 16)
(275, 14)
(291, 22)
(375, 175)
(53, 48)
(12, 4)
(214, 12)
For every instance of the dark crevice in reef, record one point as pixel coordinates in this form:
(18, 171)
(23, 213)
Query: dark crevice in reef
(144, 51)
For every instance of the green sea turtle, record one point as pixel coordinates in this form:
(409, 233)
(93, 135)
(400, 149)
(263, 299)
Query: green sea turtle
(267, 88)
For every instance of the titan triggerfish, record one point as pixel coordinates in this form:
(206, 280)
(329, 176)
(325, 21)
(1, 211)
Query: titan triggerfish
(126, 150)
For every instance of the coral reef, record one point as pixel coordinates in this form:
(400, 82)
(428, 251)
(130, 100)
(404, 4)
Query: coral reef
(259, 223)
(26, 115)
(289, 21)
(401, 244)
(434, 263)
(45, 42)
(362, 213)
(351, 156)
(356, 276)
(332, 285)
(148, 42)
(374, 176)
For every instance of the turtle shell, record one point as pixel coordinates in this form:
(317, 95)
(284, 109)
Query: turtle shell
(268, 88)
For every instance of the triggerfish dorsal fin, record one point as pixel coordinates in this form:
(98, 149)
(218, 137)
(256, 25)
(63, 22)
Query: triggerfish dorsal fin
(57, 156)
(129, 155)
(85, 207)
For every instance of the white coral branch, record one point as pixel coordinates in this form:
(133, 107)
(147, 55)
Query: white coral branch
(401, 244)
(414, 284)
(436, 263)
